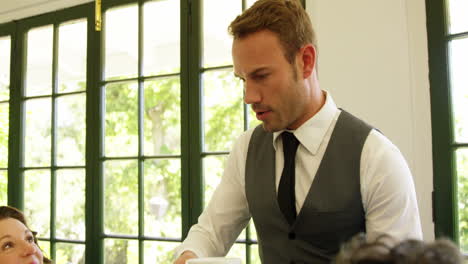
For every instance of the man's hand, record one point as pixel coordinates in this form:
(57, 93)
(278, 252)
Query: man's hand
(185, 256)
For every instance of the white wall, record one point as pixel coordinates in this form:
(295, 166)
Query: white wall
(373, 59)
(16, 9)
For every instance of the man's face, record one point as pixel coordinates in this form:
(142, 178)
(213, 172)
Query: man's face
(274, 91)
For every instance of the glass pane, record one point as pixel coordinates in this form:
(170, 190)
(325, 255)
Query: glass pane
(70, 214)
(457, 13)
(121, 42)
(37, 200)
(252, 231)
(45, 246)
(163, 198)
(254, 256)
(462, 174)
(3, 187)
(162, 117)
(69, 253)
(223, 110)
(71, 130)
(213, 167)
(217, 15)
(159, 252)
(253, 121)
(5, 50)
(118, 251)
(39, 61)
(4, 126)
(459, 90)
(72, 56)
(37, 135)
(237, 251)
(121, 119)
(161, 37)
(121, 197)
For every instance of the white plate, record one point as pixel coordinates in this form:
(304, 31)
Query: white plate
(214, 261)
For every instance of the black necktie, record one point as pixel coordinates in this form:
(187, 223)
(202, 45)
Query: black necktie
(286, 190)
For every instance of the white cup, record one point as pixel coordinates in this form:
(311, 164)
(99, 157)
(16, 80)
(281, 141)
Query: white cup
(214, 261)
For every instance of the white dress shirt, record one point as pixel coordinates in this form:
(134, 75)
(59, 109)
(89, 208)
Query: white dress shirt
(387, 189)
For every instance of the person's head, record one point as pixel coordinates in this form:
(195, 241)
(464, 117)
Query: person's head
(274, 54)
(18, 243)
(386, 250)
(441, 251)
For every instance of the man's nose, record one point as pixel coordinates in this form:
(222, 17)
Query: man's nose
(251, 93)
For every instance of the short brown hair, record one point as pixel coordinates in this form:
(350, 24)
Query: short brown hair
(286, 18)
(11, 212)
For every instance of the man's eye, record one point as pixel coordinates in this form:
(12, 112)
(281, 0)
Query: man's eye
(260, 76)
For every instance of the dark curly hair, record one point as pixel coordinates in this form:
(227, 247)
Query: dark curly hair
(11, 212)
(385, 250)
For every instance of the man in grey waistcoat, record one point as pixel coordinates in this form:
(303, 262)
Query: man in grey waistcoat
(312, 175)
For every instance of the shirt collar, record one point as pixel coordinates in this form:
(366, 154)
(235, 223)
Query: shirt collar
(312, 132)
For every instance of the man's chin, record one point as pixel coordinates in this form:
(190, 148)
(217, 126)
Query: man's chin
(270, 128)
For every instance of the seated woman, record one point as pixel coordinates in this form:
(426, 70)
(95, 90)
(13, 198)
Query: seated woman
(385, 250)
(18, 244)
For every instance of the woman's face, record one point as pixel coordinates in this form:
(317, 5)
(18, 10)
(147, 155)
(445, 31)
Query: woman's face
(17, 244)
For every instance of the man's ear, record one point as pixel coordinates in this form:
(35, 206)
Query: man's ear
(308, 58)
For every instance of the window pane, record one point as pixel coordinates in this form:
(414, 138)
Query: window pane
(459, 87)
(37, 200)
(70, 215)
(161, 37)
(70, 253)
(253, 232)
(223, 110)
(121, 197)
(4, 126)
(162, 117)
(254, 256)
(217, 15)
(458, 22)
(3, 187)
(159, 252)
(121, 42)
(253, 121)
(462, 174)
(237, 251)
(71, 130)
(5, 51)
(37, 135)
(45, 246)
(163, 198)
(72, 56)
(121, 119)
(117, 251)
(39, 61)
(213, 167)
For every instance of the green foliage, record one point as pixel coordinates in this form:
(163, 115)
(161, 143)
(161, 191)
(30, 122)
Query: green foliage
(462, 174)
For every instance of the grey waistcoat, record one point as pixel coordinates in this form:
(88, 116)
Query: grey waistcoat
(332, 211)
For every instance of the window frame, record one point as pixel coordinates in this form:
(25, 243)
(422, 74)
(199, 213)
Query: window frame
(191, 155)
(444, 146)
